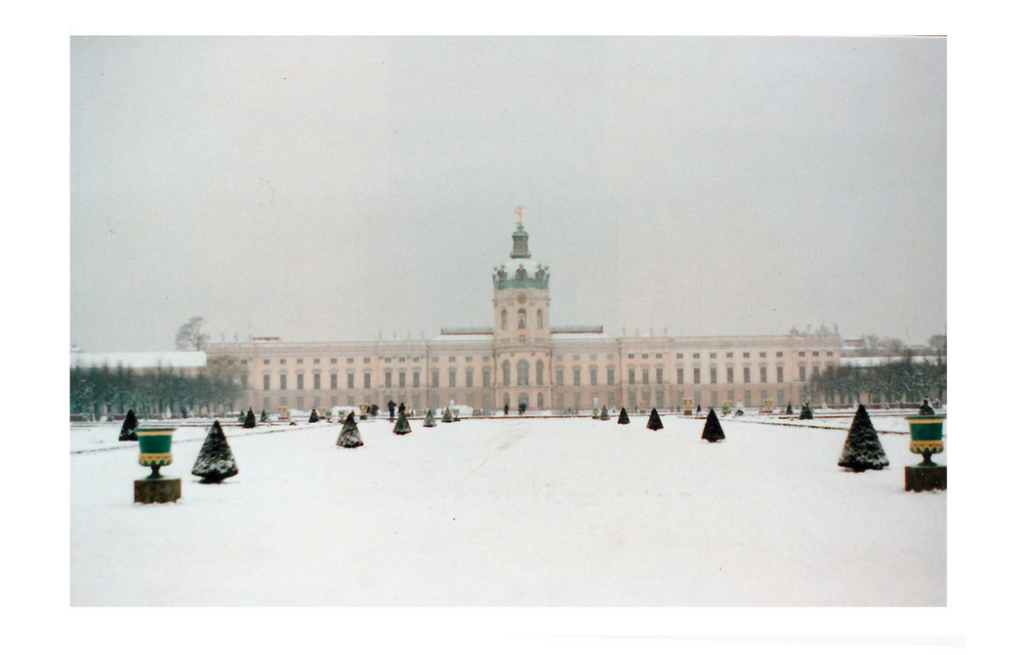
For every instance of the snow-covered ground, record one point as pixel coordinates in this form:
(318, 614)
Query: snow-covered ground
(556, 511)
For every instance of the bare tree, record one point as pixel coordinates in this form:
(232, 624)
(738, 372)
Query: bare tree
(191, 335)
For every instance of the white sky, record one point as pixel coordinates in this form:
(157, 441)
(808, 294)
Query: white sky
(328, 188)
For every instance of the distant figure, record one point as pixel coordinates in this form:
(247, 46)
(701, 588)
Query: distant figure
(506, 409)
(401, 408)
(522, 408)
(374, 410)
(698, 409)
(391, 410)
(925, 409)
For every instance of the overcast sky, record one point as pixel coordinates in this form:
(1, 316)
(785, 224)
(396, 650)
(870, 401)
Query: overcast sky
(331, 188)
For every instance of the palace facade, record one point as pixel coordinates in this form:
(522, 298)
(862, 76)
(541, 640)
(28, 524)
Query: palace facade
(522, 357)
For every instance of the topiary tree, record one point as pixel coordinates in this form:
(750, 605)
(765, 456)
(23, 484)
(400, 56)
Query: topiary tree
(250, 420)
(447, 416)
(863, 450)
(805, 412)
(402, 424)
(349, 437)
(264, 418)
(712, 428)
(313, 417)
(623, 417)
(604, 413)
(215, 461)
(789, 408)
(654, 423)
(428, 420)
(128, 427)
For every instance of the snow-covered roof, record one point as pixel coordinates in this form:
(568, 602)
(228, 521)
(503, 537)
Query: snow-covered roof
(865, 362)
(140, 360)
(483, 338)
(570, 336)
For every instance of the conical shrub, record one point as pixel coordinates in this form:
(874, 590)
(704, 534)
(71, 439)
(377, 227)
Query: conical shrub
(789, 408)
(402, 424)
(654, 423)
(447, 416)
(863, 450)
(250, 420)
(712, 428)
(264, 418)
(128, 427)
(806, 412)
(623, 417)
(349, 437)
(428, 420)
(215, 461)
(313, 416)
(604, 413)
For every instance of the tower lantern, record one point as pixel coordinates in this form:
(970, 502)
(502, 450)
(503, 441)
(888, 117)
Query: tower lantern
(520, 247)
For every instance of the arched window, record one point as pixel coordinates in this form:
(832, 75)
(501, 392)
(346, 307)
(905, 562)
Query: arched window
(522, 318)
(504, 319)
(540, 401)
(506, 373)
(540, 372)
(523, 373)
(540, 320)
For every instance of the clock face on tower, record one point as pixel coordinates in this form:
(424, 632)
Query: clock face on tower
(521, 299)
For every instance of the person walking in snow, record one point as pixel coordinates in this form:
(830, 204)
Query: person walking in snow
(506, 409)
(391, 410)
(522, 408)
(401, 408)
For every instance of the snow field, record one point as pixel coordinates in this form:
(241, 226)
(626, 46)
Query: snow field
(510, 512)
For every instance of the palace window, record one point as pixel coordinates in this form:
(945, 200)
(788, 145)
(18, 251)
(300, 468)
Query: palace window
(506, 373)
(611, 375)
(540, 372)
(504, 319)
(469, 377)
(521, 318)
(540, 319)
(523, 373)
(334, 380)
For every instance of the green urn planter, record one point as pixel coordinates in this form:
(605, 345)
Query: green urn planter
(154, 452)
(926, 435)
(925, 440)
(155, 447)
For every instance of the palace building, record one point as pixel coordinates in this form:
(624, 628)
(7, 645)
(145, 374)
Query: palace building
(523, 358)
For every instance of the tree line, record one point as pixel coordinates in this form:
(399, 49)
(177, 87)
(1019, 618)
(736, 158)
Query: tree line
(150, 392)
(899, 381)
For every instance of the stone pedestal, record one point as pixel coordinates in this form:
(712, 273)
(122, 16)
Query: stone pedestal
(925, 478)
(160, 490)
